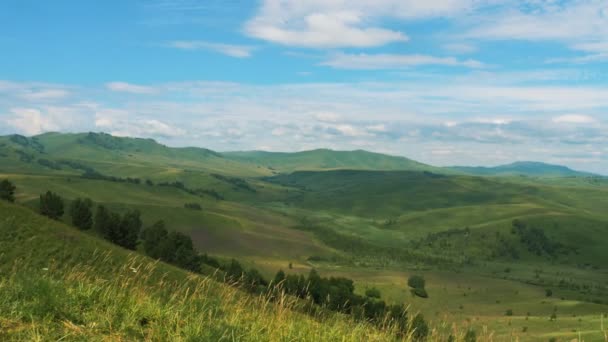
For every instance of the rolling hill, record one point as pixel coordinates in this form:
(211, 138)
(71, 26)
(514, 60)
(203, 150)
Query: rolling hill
(373, 218)
(111, 154)
(325, 159)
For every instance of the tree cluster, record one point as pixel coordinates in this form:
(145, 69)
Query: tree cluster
(195, 192)
(535, 239)
(170, 246)
(7, 190)
(81, 211)
(51, 205)
(92, 174)
(337, 294)
(121, 230)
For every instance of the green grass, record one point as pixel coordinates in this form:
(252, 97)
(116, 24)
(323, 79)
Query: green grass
(69, 286)
(376, 227)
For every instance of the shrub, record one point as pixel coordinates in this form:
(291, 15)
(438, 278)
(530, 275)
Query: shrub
(372, 293)
(416, 282)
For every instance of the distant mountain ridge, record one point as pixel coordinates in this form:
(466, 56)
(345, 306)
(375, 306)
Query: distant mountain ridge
(526, 168)
(102, 147)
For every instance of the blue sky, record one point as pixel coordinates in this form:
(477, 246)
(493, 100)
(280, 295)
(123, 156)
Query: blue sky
(467, 82)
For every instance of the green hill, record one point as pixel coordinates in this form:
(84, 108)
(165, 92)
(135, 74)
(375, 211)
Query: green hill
(110, 154)
(525, 168)
(324, 159)
(342, 217)
(60, 284)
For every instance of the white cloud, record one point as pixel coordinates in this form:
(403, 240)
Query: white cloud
(377, 128)
(342, 23)
(580, 24)
(325, 30)
(393, 61)
(595, 46)
(121, 122)
(130, 88)
(34, 91)
(350, 130)
(232, 50)
(327, 117)
(41, 118)
(31, 121)
(476, 114)
(45, 94)
(574, 119)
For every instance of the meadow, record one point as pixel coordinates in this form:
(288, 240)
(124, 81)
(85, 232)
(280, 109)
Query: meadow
(331, 212)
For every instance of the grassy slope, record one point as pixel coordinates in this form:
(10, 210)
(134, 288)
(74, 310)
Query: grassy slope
(394, 208)
(222, 227)
(59, 283)
(121, 156)
(323, 159)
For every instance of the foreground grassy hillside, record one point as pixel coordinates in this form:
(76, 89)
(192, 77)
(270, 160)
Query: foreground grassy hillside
(60, 284)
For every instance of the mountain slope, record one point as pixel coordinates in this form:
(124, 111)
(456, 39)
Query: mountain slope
(526, 168)
(70, 286)
(109, 153)
(325, 159)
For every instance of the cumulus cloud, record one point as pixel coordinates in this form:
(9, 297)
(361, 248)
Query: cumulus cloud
(394, 61)
(30, 121)
(341, 23)
(45, 118)
(232, 50)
